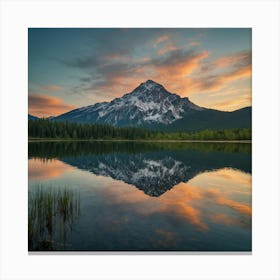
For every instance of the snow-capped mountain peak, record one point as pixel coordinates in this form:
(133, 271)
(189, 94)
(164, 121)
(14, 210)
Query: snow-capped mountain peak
(149, 103)
(150, 86)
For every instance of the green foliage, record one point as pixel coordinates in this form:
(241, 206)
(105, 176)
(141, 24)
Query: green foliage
(43, 128)
(48, 129)
(225, 134)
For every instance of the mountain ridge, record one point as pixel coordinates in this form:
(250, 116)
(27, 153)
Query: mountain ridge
(31, 117)
(151, 106)
(149, 103)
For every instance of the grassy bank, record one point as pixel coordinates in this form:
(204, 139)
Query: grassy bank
(51, 211)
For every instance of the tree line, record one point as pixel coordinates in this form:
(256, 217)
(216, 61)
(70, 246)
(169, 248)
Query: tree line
(44, 128)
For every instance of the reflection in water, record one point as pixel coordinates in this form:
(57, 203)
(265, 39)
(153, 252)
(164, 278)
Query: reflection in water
(174, 197)
(155, 172)
(192, 202)
(43, 170)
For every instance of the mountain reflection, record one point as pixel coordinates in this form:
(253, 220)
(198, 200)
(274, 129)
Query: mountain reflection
(153, 168)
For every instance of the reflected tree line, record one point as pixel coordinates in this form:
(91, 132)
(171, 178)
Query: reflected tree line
(58, 149)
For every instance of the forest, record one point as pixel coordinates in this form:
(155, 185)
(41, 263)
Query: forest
(47, 129)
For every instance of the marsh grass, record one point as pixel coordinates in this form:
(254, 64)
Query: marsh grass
(51, 213)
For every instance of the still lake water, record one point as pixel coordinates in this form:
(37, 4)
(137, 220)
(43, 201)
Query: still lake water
(132, 196)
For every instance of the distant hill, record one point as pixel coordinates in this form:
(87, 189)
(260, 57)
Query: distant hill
(211, 119)
(31, 117)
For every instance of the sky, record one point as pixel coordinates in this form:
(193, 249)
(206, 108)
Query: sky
(74, 67)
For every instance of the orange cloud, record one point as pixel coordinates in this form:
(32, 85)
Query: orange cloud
(182, 71)
(230, 91)
(184, 66)
(223, 62)
(212, 83)
(177, 77)
(168, 73)
(51, 87)
(174, 75)
(44, 105)
(171, 72)
(233, 59)
(208, 80)
(238, 74)
(170, 46)
(234, 103)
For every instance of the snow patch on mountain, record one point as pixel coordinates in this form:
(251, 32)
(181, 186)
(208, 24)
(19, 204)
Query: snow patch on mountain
(149, 103)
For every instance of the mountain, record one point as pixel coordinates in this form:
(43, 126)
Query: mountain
(31, 117)
(150, 105)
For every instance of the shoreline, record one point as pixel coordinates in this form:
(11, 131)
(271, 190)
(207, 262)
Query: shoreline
(137, 140)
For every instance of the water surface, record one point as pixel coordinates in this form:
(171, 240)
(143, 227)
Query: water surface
(132, 196)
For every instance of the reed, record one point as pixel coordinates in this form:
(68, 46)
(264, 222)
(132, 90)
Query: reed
(51, 213)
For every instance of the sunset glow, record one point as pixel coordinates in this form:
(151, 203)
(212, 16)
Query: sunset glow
(70, 68)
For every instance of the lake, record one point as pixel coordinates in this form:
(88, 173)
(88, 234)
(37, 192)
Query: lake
(139, 196)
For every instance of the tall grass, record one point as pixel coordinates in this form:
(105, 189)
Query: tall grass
(51, 213)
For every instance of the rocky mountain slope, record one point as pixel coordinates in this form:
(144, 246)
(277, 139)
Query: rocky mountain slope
(150, 105)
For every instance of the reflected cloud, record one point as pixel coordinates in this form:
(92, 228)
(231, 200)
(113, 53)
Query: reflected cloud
(220, 218)
(240, 207)
(43, 170)
(233, 176)
(189, 186)
(189, 202)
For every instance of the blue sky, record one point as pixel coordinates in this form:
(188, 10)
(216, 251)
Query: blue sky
(73, 67)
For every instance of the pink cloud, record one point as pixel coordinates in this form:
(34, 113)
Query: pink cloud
(44, 105)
